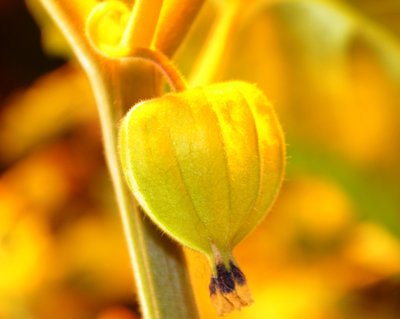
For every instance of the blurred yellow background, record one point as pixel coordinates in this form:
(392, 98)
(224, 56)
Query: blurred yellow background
(330, 247)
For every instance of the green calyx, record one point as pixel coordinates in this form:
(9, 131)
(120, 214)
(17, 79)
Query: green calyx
(205, 164)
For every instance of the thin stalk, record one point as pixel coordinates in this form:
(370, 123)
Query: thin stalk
(174, 23)
(208, 64)
(142, 23)
(159, 266)
(163, 65)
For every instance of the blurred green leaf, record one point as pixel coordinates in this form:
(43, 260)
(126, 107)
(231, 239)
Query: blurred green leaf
(375, 197)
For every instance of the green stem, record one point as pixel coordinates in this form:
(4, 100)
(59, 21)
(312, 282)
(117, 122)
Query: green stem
(159, 266)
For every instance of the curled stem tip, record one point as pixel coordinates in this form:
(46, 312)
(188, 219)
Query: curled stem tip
(114, 29)
(109, 30)
(105, 27)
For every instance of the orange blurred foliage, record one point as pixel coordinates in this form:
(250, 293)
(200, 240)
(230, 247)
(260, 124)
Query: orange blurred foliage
(330, 248)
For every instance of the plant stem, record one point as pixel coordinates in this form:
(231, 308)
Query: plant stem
(160, 270)
(175, 21)
(163, 65)
(159, 266)
(209, 62)
(142, 23)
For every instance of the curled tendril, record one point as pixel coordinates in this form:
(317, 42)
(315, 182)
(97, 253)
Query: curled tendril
(106, 27)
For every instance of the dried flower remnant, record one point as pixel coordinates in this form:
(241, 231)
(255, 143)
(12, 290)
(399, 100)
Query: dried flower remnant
(228, 287)
(206, 165)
